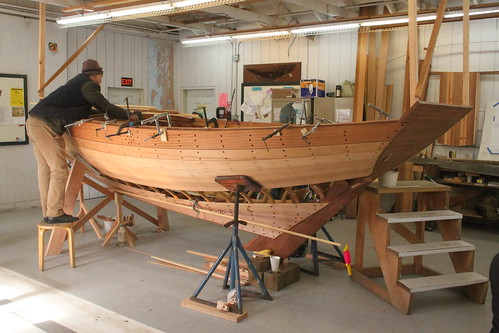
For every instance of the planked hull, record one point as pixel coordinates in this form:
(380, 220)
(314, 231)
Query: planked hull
(336, 161)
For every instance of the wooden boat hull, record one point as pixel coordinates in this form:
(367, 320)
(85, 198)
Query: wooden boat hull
(336, 162)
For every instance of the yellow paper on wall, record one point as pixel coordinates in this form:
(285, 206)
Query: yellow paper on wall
(16, 97)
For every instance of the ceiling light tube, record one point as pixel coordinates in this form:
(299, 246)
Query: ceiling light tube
(81, 19)
(205, 40)
(262, 35)
(125, 13)
(140, 10)
(326, 28)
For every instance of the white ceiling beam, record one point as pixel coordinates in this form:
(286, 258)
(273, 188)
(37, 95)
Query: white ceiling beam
(323, 8)
(246, 15)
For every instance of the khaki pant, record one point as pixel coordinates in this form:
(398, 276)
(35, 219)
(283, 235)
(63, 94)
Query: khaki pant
(52, 167)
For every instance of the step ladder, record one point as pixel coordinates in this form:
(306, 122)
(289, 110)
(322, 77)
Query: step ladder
(401, 290)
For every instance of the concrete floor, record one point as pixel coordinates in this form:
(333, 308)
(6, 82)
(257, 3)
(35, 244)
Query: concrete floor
(122, 281)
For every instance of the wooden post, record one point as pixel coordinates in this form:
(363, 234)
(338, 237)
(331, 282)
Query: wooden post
(466, 53)
(41, 50)
(163, 223)
(413, 50)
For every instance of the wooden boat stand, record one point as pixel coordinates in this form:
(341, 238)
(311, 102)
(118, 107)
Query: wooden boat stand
(234, 184)
(77, 178)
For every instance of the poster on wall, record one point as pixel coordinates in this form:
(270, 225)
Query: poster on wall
(13, 109)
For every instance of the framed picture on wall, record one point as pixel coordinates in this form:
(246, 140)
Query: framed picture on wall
(13, 109)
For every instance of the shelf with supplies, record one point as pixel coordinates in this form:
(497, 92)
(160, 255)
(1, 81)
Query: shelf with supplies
(475, 186)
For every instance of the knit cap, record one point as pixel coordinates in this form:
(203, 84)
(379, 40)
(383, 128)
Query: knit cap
(91, 67)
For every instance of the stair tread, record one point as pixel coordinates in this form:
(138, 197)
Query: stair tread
(410, 250)
(442, 281)
(431, 215)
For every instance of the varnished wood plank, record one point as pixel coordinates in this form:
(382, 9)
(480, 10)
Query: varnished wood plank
(372, 74)
(380, 82)
(425, 67)
(451, 91)
(360, 77)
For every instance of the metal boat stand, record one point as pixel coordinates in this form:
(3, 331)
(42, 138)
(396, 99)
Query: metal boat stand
(315, 253)
(235, 184)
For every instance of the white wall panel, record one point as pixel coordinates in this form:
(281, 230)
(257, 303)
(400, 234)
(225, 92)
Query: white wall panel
(328, 57)
(19, 55)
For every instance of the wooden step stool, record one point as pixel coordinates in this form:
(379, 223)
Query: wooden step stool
(42, 227)
(399, 291)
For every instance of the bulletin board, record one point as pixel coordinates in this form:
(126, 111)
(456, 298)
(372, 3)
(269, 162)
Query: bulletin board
(13, 109)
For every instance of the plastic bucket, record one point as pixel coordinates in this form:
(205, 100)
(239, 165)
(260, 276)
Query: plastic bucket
(389, 179)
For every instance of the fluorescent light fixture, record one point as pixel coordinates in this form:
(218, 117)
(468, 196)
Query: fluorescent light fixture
(483, 12)
(205, 40)
(404, 20)
(397, 21)
(82, 18)
(125, 13)
(140, 10)
(262, 35)
(326, 28)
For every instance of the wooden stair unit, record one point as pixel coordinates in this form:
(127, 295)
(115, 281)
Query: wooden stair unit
(399, 290)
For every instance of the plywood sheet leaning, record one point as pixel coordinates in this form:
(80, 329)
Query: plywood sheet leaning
(451, 92)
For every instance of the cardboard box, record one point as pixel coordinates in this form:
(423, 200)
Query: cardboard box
(312, 88)
(285, 93)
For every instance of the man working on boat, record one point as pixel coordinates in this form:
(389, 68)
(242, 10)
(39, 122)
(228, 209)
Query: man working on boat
(45, 126)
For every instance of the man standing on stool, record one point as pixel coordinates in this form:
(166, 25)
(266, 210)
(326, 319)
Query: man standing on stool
(45, 126)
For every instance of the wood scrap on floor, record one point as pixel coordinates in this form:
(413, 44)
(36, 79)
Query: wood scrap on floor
(218, 274)
(244, 274)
